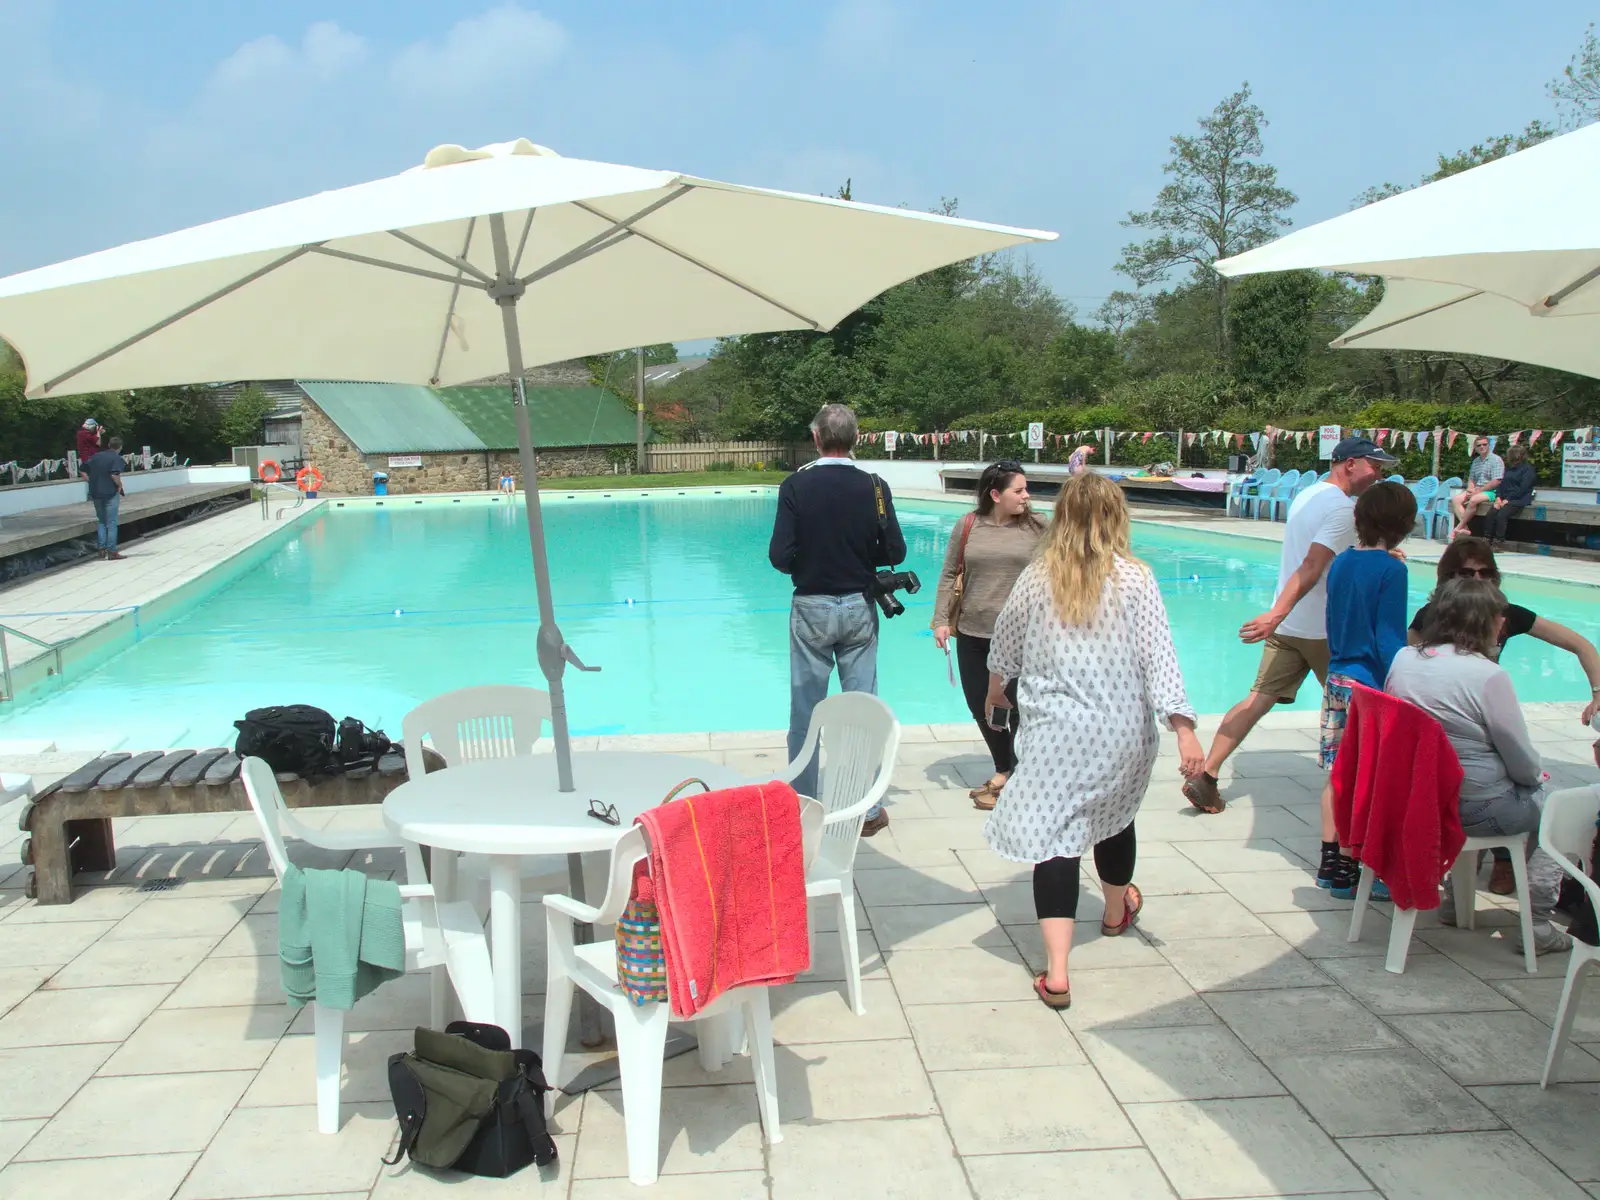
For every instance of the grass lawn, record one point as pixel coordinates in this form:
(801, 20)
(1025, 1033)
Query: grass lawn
(678, 479)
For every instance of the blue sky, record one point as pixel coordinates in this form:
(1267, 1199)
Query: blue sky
(123, 121)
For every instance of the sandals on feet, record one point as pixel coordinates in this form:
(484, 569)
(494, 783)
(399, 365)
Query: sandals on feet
(985, 797)
(1051, 999)
(1130, 913)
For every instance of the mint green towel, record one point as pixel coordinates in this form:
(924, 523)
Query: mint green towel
(340, 935)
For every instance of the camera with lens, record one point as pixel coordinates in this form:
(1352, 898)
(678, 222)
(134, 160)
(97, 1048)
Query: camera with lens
(886, 583)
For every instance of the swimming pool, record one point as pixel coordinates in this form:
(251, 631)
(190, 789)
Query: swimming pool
(365, 610)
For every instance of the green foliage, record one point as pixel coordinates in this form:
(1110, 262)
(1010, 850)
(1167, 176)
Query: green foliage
(1576, 90)
(241, 421)
(1269, 328)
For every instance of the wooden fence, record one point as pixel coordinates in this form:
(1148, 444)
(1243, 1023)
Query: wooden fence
(700, 456)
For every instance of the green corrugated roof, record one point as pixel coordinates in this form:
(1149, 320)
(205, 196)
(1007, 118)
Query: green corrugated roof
(561, 416)
(392, 418)
(403, 418)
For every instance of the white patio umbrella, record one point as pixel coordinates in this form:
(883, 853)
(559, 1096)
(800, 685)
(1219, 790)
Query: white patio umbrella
(1501, 260)
(476, 262)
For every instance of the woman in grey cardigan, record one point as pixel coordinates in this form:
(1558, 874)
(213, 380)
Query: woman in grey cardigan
(990, 545)
(1452, 676)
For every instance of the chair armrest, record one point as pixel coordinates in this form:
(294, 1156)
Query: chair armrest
(416, 891)
(858, 809)
(568, 907)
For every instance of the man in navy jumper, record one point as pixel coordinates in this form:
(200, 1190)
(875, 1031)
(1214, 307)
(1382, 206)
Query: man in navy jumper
(829, 537)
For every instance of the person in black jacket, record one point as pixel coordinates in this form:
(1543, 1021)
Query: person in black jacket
(830, 537)
(1513, 495)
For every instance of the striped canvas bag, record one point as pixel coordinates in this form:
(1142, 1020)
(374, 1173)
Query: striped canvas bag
(641, 960)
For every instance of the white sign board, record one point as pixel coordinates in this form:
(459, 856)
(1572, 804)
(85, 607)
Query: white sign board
(1580, 465)
(1327, 438)
(889, 440)
(405, 460)
(1035, 435)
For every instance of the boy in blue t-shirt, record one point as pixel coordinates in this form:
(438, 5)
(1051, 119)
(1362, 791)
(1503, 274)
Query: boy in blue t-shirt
(1366, 629)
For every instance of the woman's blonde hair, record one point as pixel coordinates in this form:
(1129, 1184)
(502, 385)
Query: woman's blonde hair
(1088, 533)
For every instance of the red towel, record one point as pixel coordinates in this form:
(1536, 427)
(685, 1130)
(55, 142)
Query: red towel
(727, 870)
(1396, 796)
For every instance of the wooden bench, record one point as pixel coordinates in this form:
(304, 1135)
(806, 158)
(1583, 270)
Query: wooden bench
(69, 823)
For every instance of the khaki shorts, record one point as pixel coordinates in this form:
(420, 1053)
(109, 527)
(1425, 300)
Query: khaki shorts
(1285, 663)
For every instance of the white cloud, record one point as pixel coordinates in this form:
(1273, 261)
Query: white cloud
(325, 53)
(497, 47)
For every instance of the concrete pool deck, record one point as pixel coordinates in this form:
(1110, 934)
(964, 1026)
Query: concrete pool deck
(1234, 1044)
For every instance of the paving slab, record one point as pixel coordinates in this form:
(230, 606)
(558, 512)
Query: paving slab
(1430, 1166)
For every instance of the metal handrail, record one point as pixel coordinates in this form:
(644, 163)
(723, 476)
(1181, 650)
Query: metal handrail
(266, 498)
(5, 657)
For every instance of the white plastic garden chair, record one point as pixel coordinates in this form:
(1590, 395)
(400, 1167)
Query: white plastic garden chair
(1566, 834)
(1464, 879)
(444, 938)
(858, 736)
(642, 1028)
(495, 721)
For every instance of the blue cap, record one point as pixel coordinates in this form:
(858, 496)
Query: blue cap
(1360, 447)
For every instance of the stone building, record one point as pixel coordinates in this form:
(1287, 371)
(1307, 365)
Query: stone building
(458, 439)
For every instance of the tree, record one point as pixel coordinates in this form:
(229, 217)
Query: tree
(1576, 90)
(1122, 310)
(1222, 200)
(1269, 329)
(1082, 364)
(241, 421)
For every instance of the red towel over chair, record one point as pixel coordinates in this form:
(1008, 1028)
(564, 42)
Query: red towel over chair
(728, 873)
(1396, 796)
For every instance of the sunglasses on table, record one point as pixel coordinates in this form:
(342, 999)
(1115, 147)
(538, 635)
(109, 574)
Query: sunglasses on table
(604, 812)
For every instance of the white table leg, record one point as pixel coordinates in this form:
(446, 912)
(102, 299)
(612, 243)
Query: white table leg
(505, 931)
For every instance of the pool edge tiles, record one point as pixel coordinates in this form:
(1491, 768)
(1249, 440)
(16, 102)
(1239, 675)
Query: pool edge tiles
(34, 680)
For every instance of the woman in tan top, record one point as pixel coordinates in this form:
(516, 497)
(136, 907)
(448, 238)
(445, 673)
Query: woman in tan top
(993, 543)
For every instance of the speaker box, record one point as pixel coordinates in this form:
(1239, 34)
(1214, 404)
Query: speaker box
(1238, 464)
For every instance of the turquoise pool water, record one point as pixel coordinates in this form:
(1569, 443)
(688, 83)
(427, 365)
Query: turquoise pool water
(367, 611)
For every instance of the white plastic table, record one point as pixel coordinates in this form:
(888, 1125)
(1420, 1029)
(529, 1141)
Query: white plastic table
(509, 808)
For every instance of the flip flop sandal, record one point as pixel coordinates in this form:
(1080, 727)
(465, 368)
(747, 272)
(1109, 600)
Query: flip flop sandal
(1051, 999)
(985, 798)
(1130, 913)
(987, 785)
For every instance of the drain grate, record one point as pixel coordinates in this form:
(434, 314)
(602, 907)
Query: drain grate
(160, 885)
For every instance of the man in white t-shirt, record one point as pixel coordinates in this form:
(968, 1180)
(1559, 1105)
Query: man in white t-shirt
(1321, 523)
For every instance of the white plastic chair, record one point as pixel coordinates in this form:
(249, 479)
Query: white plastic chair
(859, 737)
(1566, 834)
(446, 938)
(1464, 879)
(642, 1028)
(495, 721)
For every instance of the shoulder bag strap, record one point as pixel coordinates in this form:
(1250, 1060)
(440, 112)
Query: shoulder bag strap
(967, 522)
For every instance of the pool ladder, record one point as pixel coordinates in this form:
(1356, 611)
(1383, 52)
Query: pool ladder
(266, 500)
(7, 691)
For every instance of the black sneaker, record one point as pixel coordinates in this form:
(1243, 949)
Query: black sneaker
(1330, 865)
(1346, 875)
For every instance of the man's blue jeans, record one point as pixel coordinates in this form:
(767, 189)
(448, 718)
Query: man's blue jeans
(105, 516)
(824, 630)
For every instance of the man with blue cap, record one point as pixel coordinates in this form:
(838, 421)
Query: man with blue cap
(1321, 524)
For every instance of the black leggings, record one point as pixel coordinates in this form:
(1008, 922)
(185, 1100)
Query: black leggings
(972, 659)
(1055, 881)
(1494, 523)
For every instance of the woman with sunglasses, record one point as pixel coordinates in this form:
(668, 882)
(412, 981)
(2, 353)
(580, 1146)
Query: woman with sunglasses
(988, 549)
(1473, 558)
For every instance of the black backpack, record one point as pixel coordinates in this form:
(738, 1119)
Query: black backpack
(293, 738)
(468, 1102)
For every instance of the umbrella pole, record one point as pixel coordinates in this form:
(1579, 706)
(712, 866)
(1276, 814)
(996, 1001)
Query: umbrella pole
(552, 647)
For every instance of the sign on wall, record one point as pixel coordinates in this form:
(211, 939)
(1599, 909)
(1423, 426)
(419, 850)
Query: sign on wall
(405, 460)
(1035, 435)
(1580, 465)
(889, 440)
(1327, 439)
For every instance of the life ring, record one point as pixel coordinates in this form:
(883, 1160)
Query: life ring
(309, 479)
(277, 471)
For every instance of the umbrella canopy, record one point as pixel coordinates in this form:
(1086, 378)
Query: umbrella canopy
(476, 262)
(1414, 315)
(1524, 227)
(391, 280)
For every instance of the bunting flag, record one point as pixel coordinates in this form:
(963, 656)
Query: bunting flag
(1450, 444)
(1394, 436)
(1406, 440)
(1422, 441)
(1516, 436)
(1382, 434)
(1534, 440)
(1493, 438)
(1300, 440)
(1238, 441)
(1145, 438)
(1555, 438)
(1583, 434)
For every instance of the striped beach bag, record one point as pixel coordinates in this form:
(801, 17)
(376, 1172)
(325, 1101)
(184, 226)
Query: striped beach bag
(641, 959)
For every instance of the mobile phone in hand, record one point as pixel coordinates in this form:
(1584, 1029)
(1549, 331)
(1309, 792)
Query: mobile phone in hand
(998, 717)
